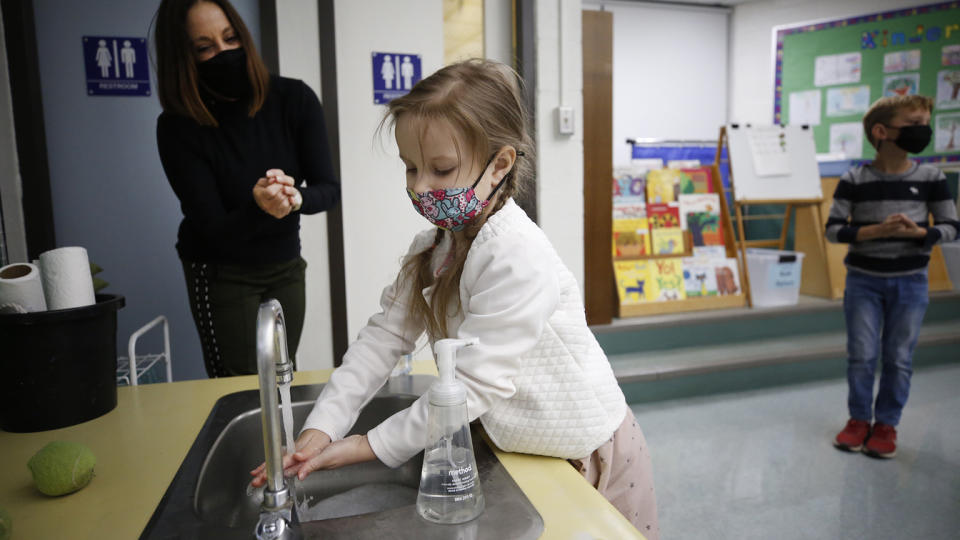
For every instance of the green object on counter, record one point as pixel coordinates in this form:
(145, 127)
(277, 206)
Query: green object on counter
(62, 467)
(6, 524)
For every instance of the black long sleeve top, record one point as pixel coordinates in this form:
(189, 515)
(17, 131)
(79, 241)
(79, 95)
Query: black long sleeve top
(213, 170)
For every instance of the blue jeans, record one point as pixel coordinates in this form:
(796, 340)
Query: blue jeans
(883, 315)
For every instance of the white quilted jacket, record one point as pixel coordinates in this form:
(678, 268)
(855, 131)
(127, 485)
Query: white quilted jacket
(538, 380)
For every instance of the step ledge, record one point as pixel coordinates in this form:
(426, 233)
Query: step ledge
(807, 305)
(738, 358)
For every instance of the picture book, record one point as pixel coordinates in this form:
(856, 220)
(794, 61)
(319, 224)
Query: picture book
(667, 241)
(698, 202)
(710, 251)
(663, 185)
(666, 280)
(629, 185)
(663, 215)
(697, 180)
(705, 229)
(631, 238)
(728, 277)
(699, 277)
(629, 211)
(632, 279)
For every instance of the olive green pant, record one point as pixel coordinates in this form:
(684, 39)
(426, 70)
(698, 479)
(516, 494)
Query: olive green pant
(224, 300)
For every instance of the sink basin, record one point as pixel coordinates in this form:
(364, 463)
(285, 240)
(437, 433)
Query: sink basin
(209, 496)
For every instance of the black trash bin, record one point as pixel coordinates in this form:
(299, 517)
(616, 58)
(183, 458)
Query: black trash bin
(59, 367)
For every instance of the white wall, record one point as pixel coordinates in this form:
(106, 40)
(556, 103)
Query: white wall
(751, 45)
(299, 51)
(560, 157)
(669, 72)
(378, 219)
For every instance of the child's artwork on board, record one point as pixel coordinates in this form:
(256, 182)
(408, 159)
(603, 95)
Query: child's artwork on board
(848, 100)
(699, 277)
(728, 278)
(836, 69)
(632, 278)
(948, 89)
(947, 132)
(950, 55)
(904, 84)
(667, 241)
(663, 215)
(896, 62)
(666, 280)
(805, 107)
(847, 139)
(663, 185)
(696, 180)
(631, 238)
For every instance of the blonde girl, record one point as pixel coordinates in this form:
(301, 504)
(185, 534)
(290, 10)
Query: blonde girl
(538, 381)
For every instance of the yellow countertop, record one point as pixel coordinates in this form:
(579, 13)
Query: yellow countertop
(140, 444)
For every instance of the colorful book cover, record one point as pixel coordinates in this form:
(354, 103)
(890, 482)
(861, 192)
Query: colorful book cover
(632, 278)
(667, 241)
(631, 238)
(699, 277)
(705, 229)
(666, 280)
(728, 278)
(697, 180)
(663, 216)
(663, 185)
(710, 252)
(698, 202)
(629, 183)
(629, 211)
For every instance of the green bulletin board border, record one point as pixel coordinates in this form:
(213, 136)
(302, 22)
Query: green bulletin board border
(867, 39)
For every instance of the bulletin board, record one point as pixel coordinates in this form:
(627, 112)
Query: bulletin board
(773, 163)
(828, 73)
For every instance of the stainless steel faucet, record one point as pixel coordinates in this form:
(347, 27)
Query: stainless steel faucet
(273, 366)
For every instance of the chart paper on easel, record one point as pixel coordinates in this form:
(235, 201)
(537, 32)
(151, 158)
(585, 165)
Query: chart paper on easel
(771, 157)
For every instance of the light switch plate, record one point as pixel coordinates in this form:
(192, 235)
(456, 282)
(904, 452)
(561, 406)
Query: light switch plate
(565, 120)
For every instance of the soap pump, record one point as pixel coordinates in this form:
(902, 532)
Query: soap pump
(449, 485)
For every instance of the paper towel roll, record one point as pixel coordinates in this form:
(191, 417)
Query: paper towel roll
(67, 282)
(21, 287)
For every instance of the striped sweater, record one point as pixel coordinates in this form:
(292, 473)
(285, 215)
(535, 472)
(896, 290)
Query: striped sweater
(866, 196)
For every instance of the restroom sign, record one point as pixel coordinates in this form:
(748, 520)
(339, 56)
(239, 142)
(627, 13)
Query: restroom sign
(116, 66)
(394, 74)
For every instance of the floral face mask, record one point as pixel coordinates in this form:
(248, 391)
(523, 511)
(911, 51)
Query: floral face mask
(452, 208)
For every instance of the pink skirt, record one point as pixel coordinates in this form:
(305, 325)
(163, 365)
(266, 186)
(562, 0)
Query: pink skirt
(621, 471)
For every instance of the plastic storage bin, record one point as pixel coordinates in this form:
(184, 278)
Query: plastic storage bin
(774, 276)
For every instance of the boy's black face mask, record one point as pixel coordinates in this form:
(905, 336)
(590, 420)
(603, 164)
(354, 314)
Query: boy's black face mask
(913, 139)
(225, 74)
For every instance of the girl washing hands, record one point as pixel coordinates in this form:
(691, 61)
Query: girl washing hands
(538, 380)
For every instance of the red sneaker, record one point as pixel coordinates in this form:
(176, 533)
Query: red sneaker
(882, 442)
(853, 435)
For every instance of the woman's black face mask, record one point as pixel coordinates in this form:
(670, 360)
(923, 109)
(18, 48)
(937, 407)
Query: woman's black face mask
(225, 75)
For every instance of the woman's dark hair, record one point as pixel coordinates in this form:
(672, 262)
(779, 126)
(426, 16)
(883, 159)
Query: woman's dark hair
(176, 65)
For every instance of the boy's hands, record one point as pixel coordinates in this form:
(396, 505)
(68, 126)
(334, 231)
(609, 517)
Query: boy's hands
(308, 446)
(895, 226)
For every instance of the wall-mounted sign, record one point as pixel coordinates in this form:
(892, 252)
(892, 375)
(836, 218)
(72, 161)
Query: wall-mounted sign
(116, 66)
(394, 74)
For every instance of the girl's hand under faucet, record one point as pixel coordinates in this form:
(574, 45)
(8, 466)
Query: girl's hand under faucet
(310, 444)
(316, 452)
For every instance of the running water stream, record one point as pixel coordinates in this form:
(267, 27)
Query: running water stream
(286, 409)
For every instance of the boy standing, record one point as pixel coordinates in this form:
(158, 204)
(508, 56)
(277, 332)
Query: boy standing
(881, 210)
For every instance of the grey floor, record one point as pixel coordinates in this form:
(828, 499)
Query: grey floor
(760, 464)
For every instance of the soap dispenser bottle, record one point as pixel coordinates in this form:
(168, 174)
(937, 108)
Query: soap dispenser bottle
(449, 485)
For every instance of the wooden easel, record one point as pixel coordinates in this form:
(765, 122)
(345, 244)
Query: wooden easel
(742, 243)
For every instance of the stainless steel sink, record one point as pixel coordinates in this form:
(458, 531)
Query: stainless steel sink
(209, 498)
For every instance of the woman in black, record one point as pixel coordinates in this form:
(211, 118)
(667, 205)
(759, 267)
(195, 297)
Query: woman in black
(246, 153)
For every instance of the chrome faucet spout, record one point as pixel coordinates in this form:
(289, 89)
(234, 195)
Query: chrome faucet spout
(273, 367)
